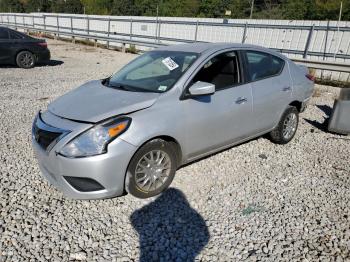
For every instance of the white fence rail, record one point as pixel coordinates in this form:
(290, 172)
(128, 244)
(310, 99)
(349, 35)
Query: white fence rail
(324, 41)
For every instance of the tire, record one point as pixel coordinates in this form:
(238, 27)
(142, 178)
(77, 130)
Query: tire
(25, 59)
(142, 168)
(281, 134)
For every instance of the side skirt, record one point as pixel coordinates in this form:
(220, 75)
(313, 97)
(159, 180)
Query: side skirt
(237, 142)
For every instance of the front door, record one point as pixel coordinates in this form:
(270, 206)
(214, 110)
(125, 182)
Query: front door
(214, 121)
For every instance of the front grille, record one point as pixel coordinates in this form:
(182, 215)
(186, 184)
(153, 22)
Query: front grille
(45, 138)
(46, 135)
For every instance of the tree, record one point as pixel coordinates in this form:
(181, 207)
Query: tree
(97, 7)
(67, 6)
(211, 8)
(146, 7)
(295, 9)
(263, 9)
(14, 6)
(346, 11)
(37, 6)
(73, 7)
(124, 8)
(274, 12)
(180, 8)
(239, 8)
(58, 6)
(328, 9)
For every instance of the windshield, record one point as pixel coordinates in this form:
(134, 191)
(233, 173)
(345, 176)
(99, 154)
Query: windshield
(155, 71)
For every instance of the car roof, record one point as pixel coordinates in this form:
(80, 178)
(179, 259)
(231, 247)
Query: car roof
(7, 28)
(213, 47)
(203, 47)
(17, 32)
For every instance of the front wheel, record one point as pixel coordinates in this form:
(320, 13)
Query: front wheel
(25, 59)
(151, 170)
(287, 127)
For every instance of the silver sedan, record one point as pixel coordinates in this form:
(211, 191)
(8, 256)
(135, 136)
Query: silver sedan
(168, 107)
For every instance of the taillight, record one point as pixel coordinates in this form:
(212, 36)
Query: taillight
(44, 44)
(310, 77)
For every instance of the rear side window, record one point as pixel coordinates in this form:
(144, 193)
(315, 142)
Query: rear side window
(15, 35)
(4, 33)
(262, 65)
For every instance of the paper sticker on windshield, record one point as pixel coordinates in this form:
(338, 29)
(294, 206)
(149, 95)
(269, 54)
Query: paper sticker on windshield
(170, 63)
(162, 88)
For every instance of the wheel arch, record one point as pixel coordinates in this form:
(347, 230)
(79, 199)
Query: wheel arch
(167, 138)
(297, 104)
(23, 49)
(174, 143)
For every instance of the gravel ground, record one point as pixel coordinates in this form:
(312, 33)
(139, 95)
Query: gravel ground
(256, 201)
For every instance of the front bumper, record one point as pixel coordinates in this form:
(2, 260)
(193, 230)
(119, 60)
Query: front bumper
(107, 169)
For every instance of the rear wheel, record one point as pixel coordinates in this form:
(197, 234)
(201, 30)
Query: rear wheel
(287, 127)
(25, 59)
(152, 169)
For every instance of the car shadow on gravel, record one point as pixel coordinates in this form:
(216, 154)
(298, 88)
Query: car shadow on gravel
(327, 110)
(170, 229)
(49, 63)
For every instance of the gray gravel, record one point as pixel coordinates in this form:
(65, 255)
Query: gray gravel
(256, 201)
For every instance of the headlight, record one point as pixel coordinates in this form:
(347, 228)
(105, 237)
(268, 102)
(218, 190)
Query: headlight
(95, 140)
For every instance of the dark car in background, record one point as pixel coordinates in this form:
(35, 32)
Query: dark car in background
(19, 49)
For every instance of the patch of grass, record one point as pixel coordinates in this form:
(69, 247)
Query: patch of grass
(329, 82)
(251, 208)
(317, 93)
(132, 49)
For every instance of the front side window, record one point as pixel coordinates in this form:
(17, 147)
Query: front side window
(262, 65)
(4, 33)
(221, 70)
(155, 71)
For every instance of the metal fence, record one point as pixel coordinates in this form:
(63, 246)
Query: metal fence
(325, 43)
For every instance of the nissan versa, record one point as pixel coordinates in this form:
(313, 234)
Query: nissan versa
(170, 106)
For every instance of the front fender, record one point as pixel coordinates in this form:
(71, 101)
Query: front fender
(156, 121)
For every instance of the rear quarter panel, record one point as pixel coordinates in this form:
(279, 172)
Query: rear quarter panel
(302, 87)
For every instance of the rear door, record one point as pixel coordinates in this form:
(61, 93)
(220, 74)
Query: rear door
(271, 87)
(217, 120)
(5, 46)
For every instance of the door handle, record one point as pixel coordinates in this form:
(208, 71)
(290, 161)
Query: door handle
(241, 100)
(287, 88)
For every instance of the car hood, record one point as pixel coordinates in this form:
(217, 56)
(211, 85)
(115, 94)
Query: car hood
(93, 102)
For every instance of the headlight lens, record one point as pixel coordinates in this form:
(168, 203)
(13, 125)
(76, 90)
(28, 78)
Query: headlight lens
(95, 140)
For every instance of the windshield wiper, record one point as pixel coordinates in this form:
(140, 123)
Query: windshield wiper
(106, 82)
(129, 88)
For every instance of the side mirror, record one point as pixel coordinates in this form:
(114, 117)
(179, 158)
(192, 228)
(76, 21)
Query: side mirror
(201, 88)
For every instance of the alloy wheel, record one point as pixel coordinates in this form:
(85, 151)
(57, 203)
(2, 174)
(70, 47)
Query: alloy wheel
(26, 59)
(290, 126)
(152, 170)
